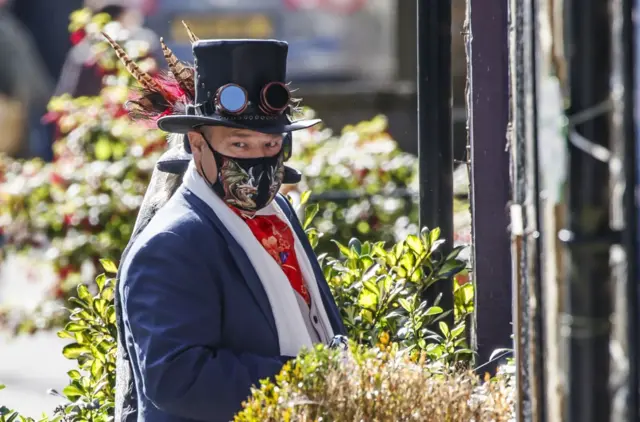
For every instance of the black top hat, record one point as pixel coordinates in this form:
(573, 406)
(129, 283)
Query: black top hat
(240, 84)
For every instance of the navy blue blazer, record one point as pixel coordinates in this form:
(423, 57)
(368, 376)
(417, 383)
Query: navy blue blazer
(197, 322)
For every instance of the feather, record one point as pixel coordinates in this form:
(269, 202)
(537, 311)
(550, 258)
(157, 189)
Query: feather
(143, 78)
(151, 105)
(184, 75)
(192, 36)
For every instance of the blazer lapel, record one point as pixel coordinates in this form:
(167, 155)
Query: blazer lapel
(239, 256)
(327, 297)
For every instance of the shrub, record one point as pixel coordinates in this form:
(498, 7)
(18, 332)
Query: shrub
(380, 292)
(365, 185)
(90, 394)
(92, 329)
(367, 384)
(380, 295)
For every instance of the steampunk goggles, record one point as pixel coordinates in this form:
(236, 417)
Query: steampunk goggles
(233, 99)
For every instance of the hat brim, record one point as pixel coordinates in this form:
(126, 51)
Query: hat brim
(176, 160)
(186, 123)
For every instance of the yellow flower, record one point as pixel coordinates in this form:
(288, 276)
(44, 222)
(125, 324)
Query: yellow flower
(384, 338)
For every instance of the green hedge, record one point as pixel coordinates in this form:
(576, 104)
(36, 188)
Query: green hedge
(370, 385)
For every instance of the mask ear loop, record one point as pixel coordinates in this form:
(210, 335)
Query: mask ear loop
(204, 174)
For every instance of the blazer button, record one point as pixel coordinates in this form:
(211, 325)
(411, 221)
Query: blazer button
(315, 319)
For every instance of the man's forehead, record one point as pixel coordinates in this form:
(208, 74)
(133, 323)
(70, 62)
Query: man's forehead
(236, 132)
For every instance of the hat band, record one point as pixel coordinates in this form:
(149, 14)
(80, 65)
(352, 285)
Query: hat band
(208, 109)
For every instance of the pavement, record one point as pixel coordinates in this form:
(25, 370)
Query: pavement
(29, 365)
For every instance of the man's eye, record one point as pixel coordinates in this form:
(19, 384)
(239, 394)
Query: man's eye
(239, 145)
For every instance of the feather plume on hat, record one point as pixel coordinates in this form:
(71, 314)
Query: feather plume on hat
(163, 94)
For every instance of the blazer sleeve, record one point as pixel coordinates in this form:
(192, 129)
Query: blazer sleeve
(173, 317)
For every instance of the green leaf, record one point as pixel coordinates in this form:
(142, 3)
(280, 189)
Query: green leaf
(74, 350)
(450, 268)
(355, 245)
(74, 327)
(406, 305)
(455, 252)
(310, 213)
(436, 245)
(433, 236)
(109, 266)
(107, 294)
(434, 310)
(100, 305)
(72, 392)
(100, 281)
(367, 315)
(82, 304)
(97, 369)
(498, 352)
(74, 374)
(408, 261)
(343, 249)
(398, 250)
(371, 287)
(457, 331)
(368, 300)
(415, 244)
(416, 275)
(304, 198)
(444, 328)
(84, 295)
(105, 346)
(64, 334)
(378, 250)
(111, 315)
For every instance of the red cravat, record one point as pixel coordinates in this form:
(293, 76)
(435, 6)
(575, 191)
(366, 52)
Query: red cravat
(277, 238)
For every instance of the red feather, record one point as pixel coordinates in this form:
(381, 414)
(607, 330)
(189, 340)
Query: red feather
(151, 105)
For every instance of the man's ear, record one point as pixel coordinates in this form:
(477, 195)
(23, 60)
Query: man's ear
(195, 141)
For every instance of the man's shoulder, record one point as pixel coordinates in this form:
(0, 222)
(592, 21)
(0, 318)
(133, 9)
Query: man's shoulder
(176, 226)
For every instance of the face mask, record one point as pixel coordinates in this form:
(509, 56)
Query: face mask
(248, 184)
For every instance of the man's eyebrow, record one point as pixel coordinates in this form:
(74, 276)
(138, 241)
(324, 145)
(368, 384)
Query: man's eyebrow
(240, 133)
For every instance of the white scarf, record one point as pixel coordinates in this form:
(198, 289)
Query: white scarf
(292, 330)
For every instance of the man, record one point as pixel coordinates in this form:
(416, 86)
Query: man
(25, 88)
(80, 75)
(219, 286)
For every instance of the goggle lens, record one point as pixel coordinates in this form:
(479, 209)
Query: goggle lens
(274, 98)
(232, 99)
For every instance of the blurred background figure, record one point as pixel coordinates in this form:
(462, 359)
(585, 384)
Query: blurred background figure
(25, 89)
(80, 76)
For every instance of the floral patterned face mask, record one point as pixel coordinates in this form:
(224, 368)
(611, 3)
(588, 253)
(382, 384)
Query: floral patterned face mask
(248, 184)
